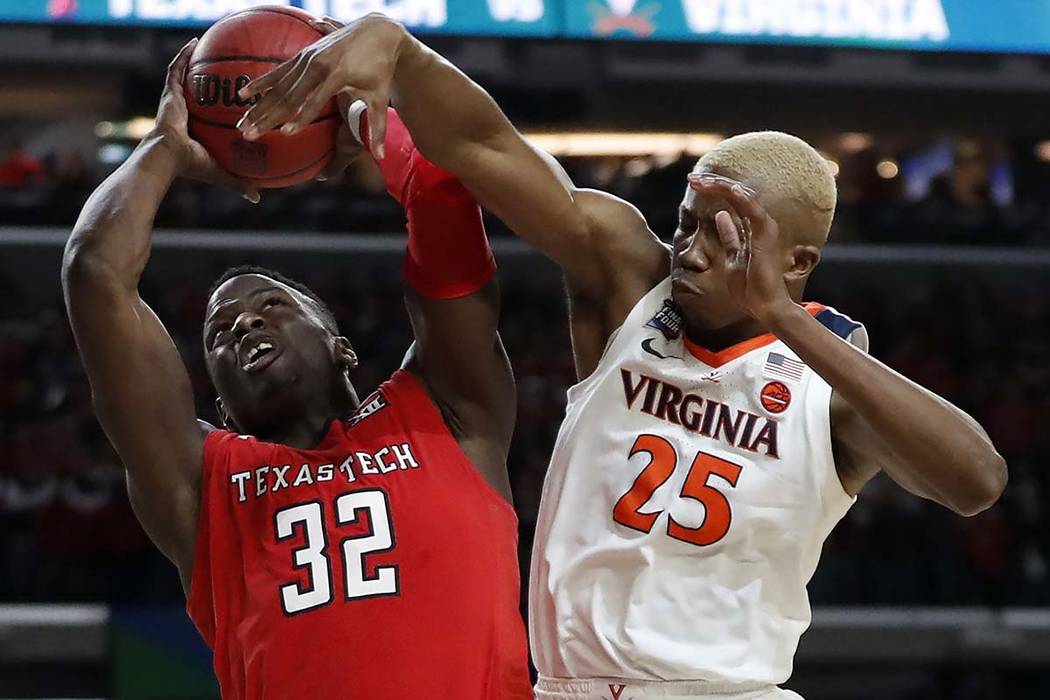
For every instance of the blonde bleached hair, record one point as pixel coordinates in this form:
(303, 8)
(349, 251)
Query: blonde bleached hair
(793, 181)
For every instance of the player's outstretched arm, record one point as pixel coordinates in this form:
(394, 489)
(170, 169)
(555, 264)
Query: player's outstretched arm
(140, 387)
(602, 243)
(880, 419)
(453, 302)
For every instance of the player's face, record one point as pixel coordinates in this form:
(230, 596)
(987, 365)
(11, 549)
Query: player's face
(698, 274)
(266, 346)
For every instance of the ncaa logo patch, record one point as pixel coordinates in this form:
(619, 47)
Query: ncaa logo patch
(775, 397)
(668, 320)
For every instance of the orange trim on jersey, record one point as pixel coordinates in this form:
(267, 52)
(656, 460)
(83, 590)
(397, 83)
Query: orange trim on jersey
(717, 359)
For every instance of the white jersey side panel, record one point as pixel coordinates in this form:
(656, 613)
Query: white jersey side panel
(684, 510)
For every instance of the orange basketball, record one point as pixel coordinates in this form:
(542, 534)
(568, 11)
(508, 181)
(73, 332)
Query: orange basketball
(235, 50)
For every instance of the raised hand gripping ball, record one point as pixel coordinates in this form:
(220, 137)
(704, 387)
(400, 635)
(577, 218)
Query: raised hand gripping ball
(235, 50)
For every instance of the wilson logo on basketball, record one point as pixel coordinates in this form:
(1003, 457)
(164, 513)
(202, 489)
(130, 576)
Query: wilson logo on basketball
(209, 90)
(775, 397)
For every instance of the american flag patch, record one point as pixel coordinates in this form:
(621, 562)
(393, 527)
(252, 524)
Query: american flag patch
(780, 367)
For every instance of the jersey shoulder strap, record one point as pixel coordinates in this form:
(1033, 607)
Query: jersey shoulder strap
(842, 325)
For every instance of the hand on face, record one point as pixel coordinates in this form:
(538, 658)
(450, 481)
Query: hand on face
(358, 59)
(753, 265)
(193, 160)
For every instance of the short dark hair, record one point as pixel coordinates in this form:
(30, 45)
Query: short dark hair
(326, 314)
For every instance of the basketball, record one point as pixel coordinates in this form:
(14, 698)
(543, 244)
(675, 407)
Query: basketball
(237, 49)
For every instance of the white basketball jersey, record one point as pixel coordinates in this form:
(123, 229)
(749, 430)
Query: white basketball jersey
(688, 497)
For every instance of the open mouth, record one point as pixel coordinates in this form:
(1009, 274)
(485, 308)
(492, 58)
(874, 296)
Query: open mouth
(259, 356)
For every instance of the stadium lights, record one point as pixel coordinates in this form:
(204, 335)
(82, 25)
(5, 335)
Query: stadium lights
(614, 143)
(664, 146)
(855, 142)
(888, 169)
(134, 129)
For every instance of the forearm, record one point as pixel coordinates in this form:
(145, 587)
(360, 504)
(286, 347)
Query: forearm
(448, 253)
(115, 227)
(459, 127)
(446, 112)
(934, 444)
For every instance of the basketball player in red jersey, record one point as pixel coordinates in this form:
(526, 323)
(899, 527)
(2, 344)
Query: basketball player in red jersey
(328, 547)
(674, 541)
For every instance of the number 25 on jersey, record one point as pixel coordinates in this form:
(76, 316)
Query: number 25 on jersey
(663, 459)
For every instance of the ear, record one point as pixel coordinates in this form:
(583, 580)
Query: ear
(804, 258)
(224, 415)
(346, 352)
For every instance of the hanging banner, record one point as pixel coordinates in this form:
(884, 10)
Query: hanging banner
(1000, 26)
(483, 17)
(1011, 26)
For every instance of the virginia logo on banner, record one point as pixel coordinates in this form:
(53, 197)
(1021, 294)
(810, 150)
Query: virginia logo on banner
(620, 15)
(886, 20)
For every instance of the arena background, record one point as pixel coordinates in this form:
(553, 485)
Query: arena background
(934, 113)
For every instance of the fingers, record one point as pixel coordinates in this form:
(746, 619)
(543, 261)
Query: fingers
(260, 85)
(203, 167)
(179, 64)
(340, 162)
(245, 189)
(313, 105)
(217, 176)
(327, 25)
(729, 235)
(281, 103)
(377, 107)
(743, 199)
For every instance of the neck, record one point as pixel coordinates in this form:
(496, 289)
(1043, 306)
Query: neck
(718, 339)
(310, 423)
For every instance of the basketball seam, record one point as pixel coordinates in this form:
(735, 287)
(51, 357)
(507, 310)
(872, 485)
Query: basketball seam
(221, 59)
(267, 59)
(292, 15)
(224, 125)
(294, 172)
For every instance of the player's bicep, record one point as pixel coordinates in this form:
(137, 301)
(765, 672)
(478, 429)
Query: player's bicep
(144, 401)
(531, 193)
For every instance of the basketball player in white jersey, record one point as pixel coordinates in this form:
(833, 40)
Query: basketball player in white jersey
(720, 428)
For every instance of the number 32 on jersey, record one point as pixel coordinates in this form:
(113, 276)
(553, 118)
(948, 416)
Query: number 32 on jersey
(312, 556)
(663, 459)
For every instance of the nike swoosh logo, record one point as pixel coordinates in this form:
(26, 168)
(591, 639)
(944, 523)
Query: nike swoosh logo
(647, 345)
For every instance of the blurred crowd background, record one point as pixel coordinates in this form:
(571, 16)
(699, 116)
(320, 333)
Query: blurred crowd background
(942, 191)
(980, 340)
(941, 246)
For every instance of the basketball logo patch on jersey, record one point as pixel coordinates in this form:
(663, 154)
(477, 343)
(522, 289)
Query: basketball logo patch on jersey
(775, 397)
(372, 404)
(668, 320)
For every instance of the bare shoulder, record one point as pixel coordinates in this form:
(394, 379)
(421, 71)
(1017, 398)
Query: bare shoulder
(634, 258)
(628, 260)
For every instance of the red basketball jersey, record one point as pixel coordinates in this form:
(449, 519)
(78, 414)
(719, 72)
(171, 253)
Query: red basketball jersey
(378, 565)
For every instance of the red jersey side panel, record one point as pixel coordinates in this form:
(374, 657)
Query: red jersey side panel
(378, 565)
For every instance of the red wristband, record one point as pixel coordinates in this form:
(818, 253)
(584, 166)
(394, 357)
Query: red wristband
(448, 253)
